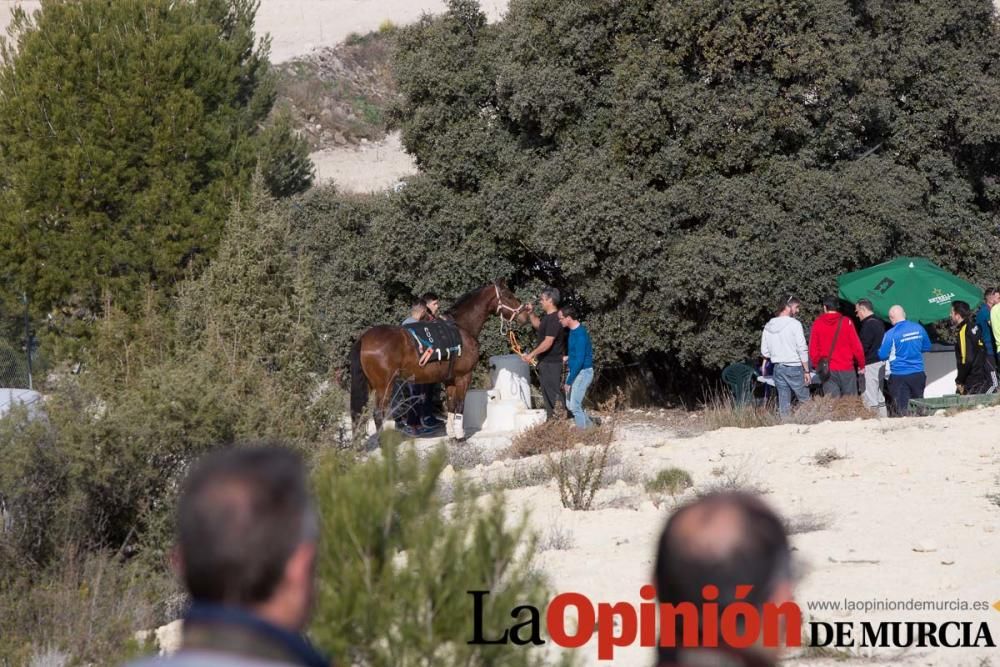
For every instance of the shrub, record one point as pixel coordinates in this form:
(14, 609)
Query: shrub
(554, 435)
(672, 481)
(242, 362)
(396, 566)
(825, 457)
(721, 411)
(580, 471)
(83, 607)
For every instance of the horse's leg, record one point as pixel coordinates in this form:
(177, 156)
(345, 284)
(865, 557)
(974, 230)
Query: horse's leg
(458, 404)
(449, 427)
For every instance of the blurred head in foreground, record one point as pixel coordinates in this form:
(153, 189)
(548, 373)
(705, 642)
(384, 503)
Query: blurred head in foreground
(723, 540)
(246, 550)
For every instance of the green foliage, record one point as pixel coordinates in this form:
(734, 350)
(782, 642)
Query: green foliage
(675, 166)
(126, 128)
(397, 565)
(285, 164)
(427, 239)
(239, 360)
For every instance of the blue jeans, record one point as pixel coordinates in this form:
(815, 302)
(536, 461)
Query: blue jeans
(788, 380)
(576, 393)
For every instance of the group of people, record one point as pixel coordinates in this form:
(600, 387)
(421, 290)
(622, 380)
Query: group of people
(871, 360)
(564, 345)
(563, 340)
(246, 553)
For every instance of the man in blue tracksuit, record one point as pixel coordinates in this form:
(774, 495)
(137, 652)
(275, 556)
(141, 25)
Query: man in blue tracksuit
(904, 346)
(581, 365)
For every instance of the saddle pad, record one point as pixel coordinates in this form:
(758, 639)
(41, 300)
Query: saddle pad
(441, 337)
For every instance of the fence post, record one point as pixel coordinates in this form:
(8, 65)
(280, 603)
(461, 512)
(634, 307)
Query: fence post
(27, 337)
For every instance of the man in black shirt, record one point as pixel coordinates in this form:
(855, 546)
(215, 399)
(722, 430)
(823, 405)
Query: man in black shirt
(550, 351)
(870, 332)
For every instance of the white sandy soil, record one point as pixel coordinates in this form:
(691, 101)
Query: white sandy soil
(904, 515)
(367, 168)
(299, 26)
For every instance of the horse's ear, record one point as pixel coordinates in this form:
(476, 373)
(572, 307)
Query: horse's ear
(502, 282)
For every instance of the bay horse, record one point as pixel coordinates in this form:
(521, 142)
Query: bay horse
(386, 353)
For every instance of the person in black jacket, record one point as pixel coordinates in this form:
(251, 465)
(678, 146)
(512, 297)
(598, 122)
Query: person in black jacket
(871, 331)
(970, 353)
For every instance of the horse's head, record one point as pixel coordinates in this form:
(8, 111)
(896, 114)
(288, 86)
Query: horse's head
(509, 307)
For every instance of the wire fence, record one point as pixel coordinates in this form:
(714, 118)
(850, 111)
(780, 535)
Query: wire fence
(15, 371)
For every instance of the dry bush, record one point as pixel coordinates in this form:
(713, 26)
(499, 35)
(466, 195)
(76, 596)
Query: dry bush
(580, 472)
(671, 481)
(521, 477)
(87, 607)
(807, 523)
(554, 435)
(739, 478)
(821, 409)
(556, 538)
(825, 457)
(721, 411)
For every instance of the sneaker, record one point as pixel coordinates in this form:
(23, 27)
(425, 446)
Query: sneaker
(415, 431)
(431, 422)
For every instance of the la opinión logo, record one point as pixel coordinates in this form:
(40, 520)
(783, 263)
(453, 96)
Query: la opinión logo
(739, 625)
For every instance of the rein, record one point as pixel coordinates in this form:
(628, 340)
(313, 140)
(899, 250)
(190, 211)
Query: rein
(507, 324)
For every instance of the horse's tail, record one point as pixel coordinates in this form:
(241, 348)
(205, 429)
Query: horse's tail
(359, 383)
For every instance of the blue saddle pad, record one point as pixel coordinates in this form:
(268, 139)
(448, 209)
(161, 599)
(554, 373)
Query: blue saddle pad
(441, 337)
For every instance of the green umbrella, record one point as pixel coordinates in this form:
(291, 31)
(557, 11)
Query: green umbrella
(922, 288)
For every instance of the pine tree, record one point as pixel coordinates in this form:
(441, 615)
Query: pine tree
(126, 129)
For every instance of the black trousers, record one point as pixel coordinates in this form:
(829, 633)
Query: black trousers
(550, 377)
(904, 387)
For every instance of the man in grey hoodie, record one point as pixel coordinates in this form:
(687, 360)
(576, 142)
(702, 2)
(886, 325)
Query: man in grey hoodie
(784, 343)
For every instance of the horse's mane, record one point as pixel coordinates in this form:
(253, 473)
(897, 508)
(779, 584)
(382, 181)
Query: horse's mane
(465, 298)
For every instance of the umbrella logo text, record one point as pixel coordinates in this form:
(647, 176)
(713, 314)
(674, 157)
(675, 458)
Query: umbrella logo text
(884, 285)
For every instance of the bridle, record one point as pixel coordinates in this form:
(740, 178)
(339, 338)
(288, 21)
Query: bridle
(506, 323)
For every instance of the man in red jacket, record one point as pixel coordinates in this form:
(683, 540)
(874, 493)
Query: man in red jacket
(834, 338)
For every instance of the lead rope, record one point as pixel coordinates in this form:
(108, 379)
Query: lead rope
(515, 346)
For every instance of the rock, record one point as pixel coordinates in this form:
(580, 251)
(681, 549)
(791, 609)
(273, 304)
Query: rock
(168, 637)
(448, 473)
(925, 546)
(947, 562)
(338, 137)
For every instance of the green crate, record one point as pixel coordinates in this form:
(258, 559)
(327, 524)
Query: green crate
(928, 406)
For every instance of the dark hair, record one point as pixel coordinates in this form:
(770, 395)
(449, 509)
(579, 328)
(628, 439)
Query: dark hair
(990, 291)
(429, 296)
(866, 303)
(787, 301)
(570, 312)
(552, 293)
(962, 308)
(831, 303)
(418, 303)
(242, 513)
(723, 539)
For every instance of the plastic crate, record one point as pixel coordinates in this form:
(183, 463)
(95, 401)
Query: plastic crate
(928, 406)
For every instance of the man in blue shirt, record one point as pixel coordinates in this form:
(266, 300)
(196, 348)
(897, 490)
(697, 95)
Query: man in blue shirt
(581, 365)
(904, 346)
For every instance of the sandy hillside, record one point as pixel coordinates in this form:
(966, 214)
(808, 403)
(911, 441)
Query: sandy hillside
(299, 26)
(904, 515)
